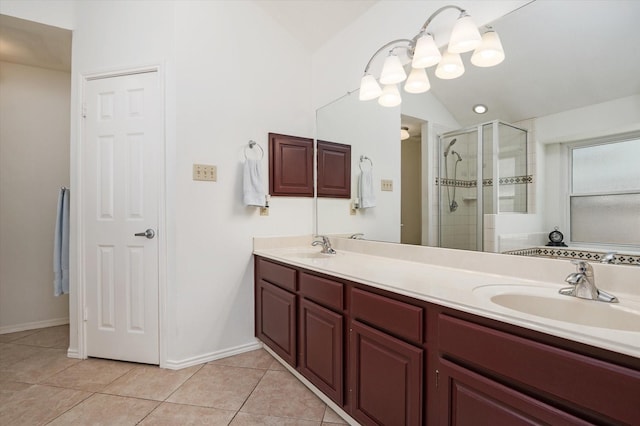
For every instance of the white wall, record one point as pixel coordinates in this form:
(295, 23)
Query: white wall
(239, 76)
(34, 163)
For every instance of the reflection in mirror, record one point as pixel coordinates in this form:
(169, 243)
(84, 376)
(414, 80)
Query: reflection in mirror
(538, 88)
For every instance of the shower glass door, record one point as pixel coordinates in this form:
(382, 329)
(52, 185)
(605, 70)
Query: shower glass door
(458, 190)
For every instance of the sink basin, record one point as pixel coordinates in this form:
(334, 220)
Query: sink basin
(545, 302)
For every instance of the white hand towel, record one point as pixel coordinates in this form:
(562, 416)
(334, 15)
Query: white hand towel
(254, 194)
(366, 191)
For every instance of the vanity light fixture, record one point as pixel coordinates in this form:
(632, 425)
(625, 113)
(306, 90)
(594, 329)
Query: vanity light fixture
(423, 52)
(480, 109)
(404, 133)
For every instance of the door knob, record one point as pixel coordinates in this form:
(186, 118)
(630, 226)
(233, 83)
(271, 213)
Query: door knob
(149, 233)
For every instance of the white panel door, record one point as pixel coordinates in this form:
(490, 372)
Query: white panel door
(122, 150)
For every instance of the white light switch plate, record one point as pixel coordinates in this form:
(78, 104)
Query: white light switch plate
(205, 172)
(386, 185)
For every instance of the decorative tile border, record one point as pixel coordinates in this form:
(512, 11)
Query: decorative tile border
(569, 253)
(509, 180)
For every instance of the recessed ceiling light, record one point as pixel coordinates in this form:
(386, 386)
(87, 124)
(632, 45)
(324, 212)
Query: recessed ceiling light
(480, 109)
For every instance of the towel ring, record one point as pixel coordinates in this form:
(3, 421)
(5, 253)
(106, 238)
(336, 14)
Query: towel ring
(364, 158)
(251, 145)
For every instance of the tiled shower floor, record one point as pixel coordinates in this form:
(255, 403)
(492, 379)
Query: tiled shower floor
(40, 385)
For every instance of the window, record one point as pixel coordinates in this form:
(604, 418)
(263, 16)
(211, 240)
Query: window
(604, 195)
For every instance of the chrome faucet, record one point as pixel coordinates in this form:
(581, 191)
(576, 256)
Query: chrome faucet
(325, 243)
(584, 284)
(609, 257)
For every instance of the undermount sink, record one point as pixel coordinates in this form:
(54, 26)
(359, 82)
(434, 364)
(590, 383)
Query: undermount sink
(545, 302)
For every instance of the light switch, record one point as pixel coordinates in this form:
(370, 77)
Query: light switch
(205, 172)
(386, 185)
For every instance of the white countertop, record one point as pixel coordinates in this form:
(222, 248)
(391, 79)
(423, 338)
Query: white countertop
(465, 290)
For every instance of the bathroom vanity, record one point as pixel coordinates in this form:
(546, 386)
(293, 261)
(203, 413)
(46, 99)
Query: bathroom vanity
(399, 342)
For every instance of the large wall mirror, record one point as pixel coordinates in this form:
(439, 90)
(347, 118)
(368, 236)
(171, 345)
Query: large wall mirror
(570, 75)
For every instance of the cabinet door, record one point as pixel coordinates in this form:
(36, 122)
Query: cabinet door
(321, 359)
(290, 166)
(385, 378)
(276, 320)
(467, 398)
(334, 170)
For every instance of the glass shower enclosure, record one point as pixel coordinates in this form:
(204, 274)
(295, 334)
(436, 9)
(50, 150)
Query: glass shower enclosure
(472, 185)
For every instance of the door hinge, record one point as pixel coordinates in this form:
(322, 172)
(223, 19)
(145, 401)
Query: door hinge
(84, 110)
(437, 378)
(85, 315)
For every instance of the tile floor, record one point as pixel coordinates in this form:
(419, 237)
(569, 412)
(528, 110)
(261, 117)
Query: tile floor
(39, 385)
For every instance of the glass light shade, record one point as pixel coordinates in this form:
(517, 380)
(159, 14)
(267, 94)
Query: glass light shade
(450, 66)
(390, 96)
(418, 82)
(369, 88)
(465, 35)
(426, 53)
(404, 133)
(392, 71)
(490, 51)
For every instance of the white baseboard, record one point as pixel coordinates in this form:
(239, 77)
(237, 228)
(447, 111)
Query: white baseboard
(212, 356)
(73, 353)
(33, 325)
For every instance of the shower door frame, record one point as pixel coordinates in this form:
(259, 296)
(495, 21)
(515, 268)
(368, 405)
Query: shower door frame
(495, 140)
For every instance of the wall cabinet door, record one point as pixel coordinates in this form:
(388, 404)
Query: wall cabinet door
(321, 344)
(276, 320)
(290, 166)
(334, 170)
(385, 378)
(467, 398)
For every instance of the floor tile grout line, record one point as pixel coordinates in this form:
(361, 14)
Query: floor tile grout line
(249, 396)
(72, 407)
(182, 384)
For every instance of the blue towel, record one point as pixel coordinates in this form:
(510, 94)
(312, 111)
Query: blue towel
(61, 245)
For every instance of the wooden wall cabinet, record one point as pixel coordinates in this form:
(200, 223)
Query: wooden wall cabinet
(334, 170)
(290, 166)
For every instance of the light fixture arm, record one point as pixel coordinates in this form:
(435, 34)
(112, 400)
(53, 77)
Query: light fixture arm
(387, 45)
(437, 12)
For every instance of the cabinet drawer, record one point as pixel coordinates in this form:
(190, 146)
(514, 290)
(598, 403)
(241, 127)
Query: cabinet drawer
(322, 291)
(397, 318)
(277, 274)
(597, 387)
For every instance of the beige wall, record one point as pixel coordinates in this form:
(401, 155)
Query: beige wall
(34, 163)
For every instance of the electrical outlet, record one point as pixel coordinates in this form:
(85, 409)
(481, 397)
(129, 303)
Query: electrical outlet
(264, 211)
(205, 172)
(386, 185)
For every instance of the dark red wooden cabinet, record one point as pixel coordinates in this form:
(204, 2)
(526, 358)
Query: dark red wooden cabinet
(276, 320)
(321, 349)
(290, 166)
(385, 378)
(334, 170)
(393, 360)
